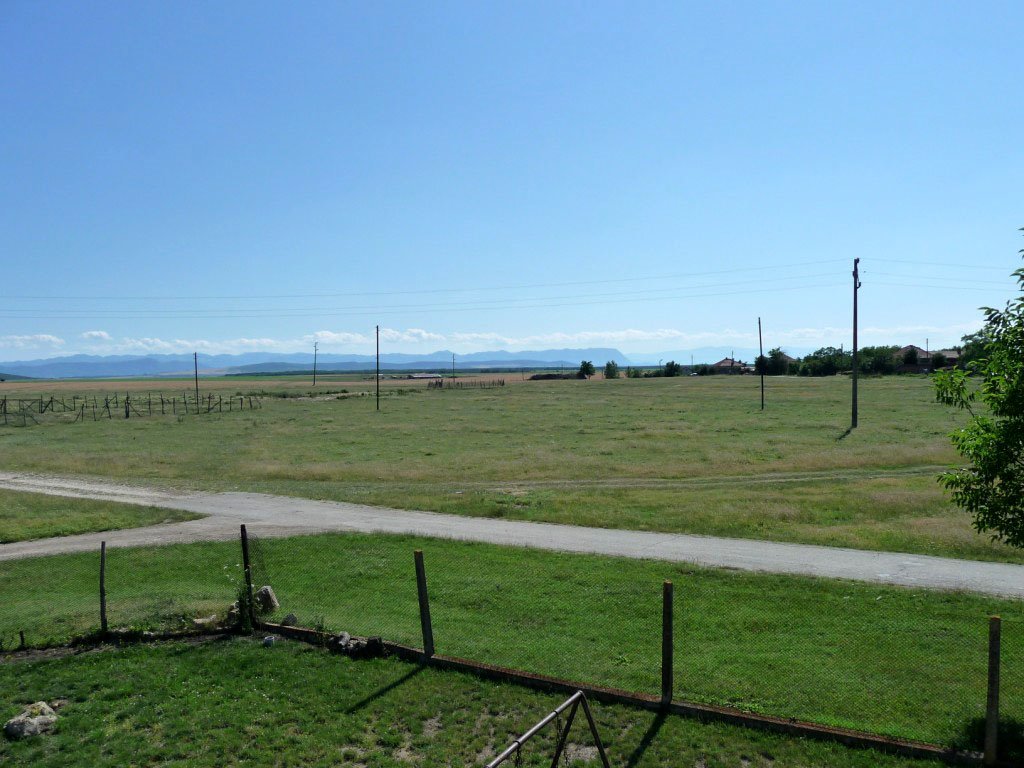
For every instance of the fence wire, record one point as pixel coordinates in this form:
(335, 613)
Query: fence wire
(547, 616)
(174, 588)
(902, 670)
(337, 583)
(888, 661)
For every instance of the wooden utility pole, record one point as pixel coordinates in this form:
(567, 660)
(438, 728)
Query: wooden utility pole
(195, 361)
(315, 344)
(856, 287)
(378, 367)
(764, 363)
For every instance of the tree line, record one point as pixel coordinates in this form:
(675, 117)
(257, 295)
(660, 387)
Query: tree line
(827, 361)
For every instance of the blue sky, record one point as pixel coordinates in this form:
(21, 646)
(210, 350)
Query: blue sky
(235, 177)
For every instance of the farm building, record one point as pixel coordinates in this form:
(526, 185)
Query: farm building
(924, 358)
(728, 365)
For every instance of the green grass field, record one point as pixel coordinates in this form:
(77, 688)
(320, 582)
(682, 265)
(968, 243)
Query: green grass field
(896, 661)
(232, 703)
(688, 454)
(25, 516)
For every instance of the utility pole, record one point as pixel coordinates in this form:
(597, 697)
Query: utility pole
(195, 361)
(856, 287)
(378, 367)
(764, 363)
(315, 345)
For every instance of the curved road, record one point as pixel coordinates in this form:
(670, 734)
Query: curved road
(271, 516)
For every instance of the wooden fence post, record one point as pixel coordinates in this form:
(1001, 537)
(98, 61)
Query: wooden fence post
(247, 567)
(992, 705)
(421, 588)
(667, 650)
(103, 588)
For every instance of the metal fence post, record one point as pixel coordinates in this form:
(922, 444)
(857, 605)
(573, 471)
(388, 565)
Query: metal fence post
(992, 705)
(421, 589)
(247, 568)
(103, 588)
(667, 650)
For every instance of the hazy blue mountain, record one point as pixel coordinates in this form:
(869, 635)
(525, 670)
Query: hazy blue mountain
(112, 366)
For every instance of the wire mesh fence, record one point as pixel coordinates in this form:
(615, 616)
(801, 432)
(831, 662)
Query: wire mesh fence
(1011, 690)
(171, 589)
(550, 617)
(341, 583)
(888, 661)
(868, 659)
(69, 409)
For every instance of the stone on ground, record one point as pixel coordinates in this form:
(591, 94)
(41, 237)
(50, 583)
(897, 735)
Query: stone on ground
(36, 719)
(266, 600)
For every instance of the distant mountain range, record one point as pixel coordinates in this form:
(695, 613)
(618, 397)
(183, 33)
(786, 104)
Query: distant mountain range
(118, 366)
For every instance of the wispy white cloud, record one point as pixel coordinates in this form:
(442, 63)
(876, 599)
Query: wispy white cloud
(424, 340)
(31, 341)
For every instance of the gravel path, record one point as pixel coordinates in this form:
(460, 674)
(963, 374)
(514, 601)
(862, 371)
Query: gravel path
(271, 516)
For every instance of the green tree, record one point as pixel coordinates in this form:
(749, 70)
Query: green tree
(611, 370)
(910, 356)
(973, 349)
(991, 488)
(761, 365)
(877, 360)
(938, 361)
(777, 364)
(586, 369)
(827, 361)
(672, 368)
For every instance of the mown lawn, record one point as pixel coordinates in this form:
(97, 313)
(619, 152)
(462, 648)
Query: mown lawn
(896, 661)
(687, 454)
(233, 702)
(25, 516)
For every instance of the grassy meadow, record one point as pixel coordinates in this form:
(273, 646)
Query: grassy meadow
(25, 516)
(691, 454)
(294, 705)
(897, 661)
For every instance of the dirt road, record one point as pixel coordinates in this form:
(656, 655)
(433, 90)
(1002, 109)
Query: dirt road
(271, 516)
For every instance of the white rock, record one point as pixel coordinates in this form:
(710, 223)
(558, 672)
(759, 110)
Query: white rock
(266, 600)
(36, 719)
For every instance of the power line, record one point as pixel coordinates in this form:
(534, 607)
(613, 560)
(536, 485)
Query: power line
(492, 306)
(677, 275)
(933, 287)
(937, 277)
(936, 264)
(477, 303)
